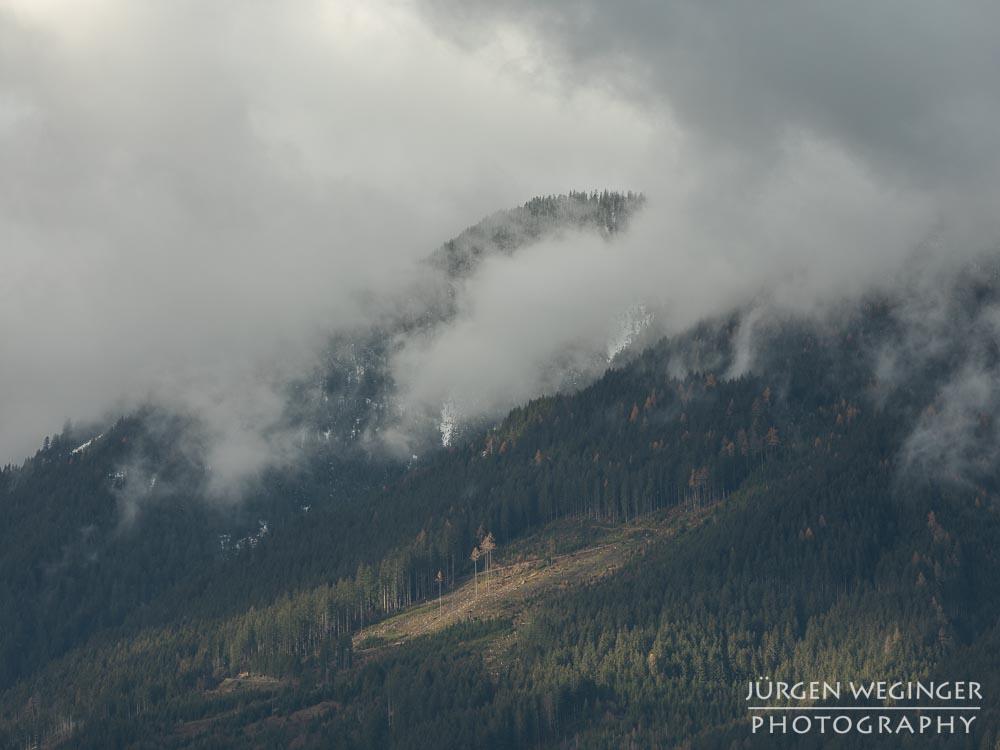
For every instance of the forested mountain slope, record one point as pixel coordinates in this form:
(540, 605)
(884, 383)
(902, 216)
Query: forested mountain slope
(109, 524)
(829, 511)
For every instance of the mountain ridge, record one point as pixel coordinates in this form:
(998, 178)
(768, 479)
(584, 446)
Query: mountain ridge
(825, 544)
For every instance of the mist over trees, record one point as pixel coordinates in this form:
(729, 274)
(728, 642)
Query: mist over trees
(813, 546)
(571, 478)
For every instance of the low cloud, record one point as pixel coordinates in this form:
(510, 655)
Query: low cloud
(193, 199)
(957, 437)
(819, 232)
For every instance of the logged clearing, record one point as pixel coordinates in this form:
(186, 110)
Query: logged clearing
(567, 554)
(246, 681)
(509, 590)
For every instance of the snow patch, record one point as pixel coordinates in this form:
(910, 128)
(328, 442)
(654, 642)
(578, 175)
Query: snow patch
(449, 422)
(253, 540)
(81, 448)
(630, 324)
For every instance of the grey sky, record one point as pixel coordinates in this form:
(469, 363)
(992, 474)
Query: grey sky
(806, 152)
(907, 87)
(192, 193)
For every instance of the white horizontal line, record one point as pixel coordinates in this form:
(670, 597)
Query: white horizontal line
(863, 708)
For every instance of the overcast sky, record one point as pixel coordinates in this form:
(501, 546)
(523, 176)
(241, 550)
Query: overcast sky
(192, 193)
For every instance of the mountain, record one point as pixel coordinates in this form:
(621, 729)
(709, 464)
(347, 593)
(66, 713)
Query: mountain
(822, 507)
(353, 396)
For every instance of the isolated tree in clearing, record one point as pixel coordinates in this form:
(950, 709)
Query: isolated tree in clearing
(475, 568)
(439, 580)
(488, 545)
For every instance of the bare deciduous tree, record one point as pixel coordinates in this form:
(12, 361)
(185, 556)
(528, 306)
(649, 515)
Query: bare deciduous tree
(439, 580)
(476, 554)
(489, 544)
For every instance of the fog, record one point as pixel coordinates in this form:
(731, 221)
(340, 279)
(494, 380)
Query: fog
(193, 198)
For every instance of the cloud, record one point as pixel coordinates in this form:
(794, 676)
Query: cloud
(956, 438)
(805, 156)
(906, 87)
(817, 231)
(191, 195)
